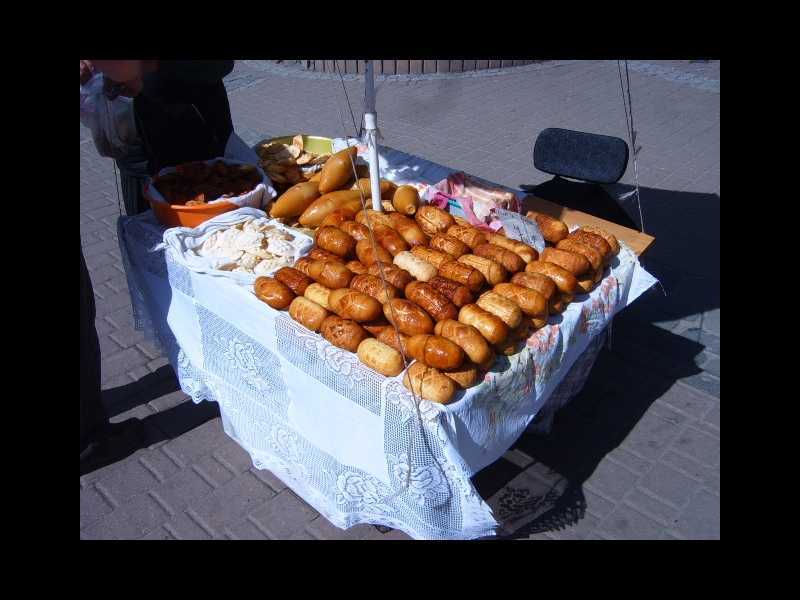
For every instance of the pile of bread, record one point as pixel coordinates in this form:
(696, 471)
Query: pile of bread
(431, 288)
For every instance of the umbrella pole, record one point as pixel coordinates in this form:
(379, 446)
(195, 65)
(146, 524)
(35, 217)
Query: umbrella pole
(371, 128)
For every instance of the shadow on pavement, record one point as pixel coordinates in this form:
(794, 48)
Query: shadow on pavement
(645, 360)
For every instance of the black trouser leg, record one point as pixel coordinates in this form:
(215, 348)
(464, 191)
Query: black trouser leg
(93, 414)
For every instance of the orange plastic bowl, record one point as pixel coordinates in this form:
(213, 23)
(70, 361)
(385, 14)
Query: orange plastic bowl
(177, 215)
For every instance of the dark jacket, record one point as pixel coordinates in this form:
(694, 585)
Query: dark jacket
(182, 113)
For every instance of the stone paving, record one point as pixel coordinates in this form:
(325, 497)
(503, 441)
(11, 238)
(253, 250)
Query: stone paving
(639, 447)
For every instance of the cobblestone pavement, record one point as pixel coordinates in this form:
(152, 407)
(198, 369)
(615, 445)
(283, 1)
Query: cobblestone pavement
(640, 446)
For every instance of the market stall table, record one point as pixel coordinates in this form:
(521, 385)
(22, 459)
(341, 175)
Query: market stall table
(349, 441)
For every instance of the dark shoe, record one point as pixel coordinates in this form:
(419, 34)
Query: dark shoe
(115, 442)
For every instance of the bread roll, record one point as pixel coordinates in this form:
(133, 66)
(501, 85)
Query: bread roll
(467, 337)
(373, 286)
(316, 292)
(510, 261)
(429, 384)
(391, 337)
(449, 245)
(610, 239)
(324, 205)
(536, 282)
(380, 357)
(530, 302)
(377, 326)
(564, 280)
(552, 229)
(390, 239)
(303, 263)
(435, 351)
(365, 185)
(434, 257)
(338, 216)
(434, 303)
(433, 220)
(406, 199)
(492, 271)
(294, 279)
(572, 245)
(574, 263)
(371, 218)
(471, 236)
(343, 333)
(333, 275)
(295, 200)
(354, 305)
(586, 283)
(398, 277)
(524, 251)
(595, 241)
(317, 253)
(409, 318)
(455, 292)
(273, 292)
(418, 268)
(355, 230)
(307, 313)
(368, 253)
(465, 376)
(338, 170)
(490, 326)
(468, 276)
(356, 267)
(502, 307)
(334, 240)
(408, 228)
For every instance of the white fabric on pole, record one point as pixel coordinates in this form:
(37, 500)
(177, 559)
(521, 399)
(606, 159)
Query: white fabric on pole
(346, 450)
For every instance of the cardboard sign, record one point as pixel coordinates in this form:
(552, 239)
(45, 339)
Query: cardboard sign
(520, 228)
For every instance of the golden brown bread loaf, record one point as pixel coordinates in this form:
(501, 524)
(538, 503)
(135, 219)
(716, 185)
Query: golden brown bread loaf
(524, 251)
(595, 241)
(418, 268)
(436, 257)
(471, 236)
(337, 170)
(333, 275)
(530, 302)
(409, 318)
(492, 271)
(317, 253)
(449, 245)
(435, 304)
(316, 292)
(467, 337)
(433, 220)
(501, 307)
(294, 279)
(564, 280)
(302, 264)
(295, 200)
(398, 277)
(373, 286)
(511, 261)
(572, 245)
(429, 384)
(368, 253)
(574, 263)
(536, 282)
(371, 218)
(490, 326)
(455, 292)
(552, 229)
(377, 326)
(356, 267)
(464, 376)
(338, 216)
(273, 292)
(380, 357)
(343, 333)
(334, 240)
(355, 230)
(307, 313)
(364, 184)
(435, 351)
(398, 341)
(354, 305)
(389, 239)
(324, 205)
(610, 238)
(468, 276)
(408, 228)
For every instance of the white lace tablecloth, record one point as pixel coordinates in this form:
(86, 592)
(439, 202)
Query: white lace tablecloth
(338, 434)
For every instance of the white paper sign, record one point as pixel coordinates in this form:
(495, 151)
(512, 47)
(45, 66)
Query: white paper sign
(520, 228)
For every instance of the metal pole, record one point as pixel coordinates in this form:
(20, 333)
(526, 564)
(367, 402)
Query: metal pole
(371, 128)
